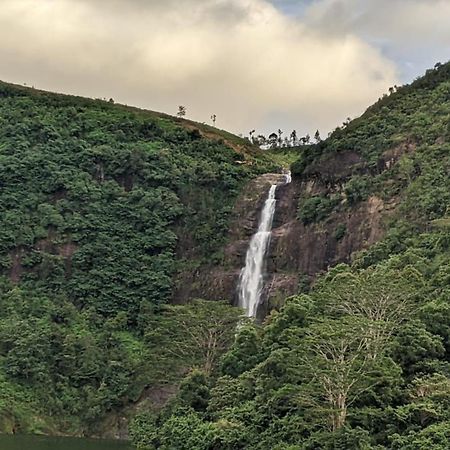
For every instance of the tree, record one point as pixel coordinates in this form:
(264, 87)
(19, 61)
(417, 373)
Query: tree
(184, 431)
(261, 140)
(194, 391)
(317, 136)
(381, 295)
(293, 138)
(198, 333)
(434, 437)
(280, 139)
(430, 396)
(347, 353)
(273, 140)
(181, 111)
(339, 367)
(244, 353)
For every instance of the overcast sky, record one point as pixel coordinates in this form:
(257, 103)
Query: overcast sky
(256, 64)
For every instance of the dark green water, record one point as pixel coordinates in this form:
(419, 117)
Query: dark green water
(16, 442)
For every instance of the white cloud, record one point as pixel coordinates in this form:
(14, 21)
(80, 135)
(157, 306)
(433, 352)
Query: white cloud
(415, 33)
(400, 20)
(240, 59)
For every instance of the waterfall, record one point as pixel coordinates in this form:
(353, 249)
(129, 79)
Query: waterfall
(251, 280)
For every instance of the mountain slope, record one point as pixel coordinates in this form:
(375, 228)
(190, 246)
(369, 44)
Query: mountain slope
(388, 164)
(95, 202)
(360, 360)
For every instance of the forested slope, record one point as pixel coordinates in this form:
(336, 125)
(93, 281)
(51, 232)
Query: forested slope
(94, 198)
(360, 360)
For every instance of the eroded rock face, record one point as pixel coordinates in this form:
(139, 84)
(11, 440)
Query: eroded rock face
(299, 252)
(311, 248)
(333, 168)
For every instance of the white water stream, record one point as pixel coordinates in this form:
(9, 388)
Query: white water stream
(251, 280)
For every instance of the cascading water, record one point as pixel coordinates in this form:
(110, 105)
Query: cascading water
(251, 281)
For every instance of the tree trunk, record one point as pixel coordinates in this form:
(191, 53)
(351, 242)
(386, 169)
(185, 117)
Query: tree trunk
(340, 413)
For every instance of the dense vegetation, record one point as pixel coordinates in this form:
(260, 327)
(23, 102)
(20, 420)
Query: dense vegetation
(96, 199)
(362, 360)
(406, 131)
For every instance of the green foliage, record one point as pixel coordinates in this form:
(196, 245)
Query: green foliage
(75, 365)
(434, 437)
(340, 231)
(358, 189)
(144, 431)
(329, 370)
(194, 391)
(402, 143)
(362, 360)
(92, 195)
(244, 352)
(192, 335)
(284, 156)
(96, 200)
(317, 208)
(307, 155)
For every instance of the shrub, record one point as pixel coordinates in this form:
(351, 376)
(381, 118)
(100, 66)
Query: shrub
(340, 231)
(358, 189)
(317, 208)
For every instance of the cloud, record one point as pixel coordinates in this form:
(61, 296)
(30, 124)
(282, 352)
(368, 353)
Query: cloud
(243, 60)
(400, 20)
(414, 33)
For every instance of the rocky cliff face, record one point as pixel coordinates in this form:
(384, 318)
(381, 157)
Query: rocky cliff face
(219, 282)
(298, 252)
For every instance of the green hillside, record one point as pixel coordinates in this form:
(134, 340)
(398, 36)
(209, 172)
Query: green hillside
(94, 198)
(361, 360)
